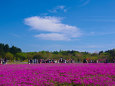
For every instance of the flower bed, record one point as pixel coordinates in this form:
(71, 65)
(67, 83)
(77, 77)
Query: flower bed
(100, 74)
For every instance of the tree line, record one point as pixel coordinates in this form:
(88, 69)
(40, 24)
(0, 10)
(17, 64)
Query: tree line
(8, 52)
(14, 53)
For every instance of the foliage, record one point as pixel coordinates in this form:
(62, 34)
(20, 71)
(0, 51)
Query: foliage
(9, 52)
(9, 56)
(14, 53)
(21, 56)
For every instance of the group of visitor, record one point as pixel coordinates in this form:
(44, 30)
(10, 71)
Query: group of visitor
(98, 61)
(90, 61)
(3, 61)
(61, 60)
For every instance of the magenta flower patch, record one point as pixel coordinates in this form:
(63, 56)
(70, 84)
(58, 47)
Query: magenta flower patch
(57, 74)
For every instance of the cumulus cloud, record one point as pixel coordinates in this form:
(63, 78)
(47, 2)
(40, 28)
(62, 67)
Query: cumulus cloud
(55, 29)
(58, 8)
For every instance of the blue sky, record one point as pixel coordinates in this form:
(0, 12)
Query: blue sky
(35, 25)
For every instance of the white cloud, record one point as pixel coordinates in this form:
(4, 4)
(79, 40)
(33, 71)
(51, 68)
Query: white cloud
(58, 8)
(52, 36)
(55, 28)
(85, 2)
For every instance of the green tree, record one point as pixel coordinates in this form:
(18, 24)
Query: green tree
(21, 56)
(9, 56)
(38, 56)
(15, 50)
(6, 48)
(2, 53)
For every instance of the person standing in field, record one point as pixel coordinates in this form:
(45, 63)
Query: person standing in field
(56, 61)
(84, 61)
(61, 60)
(97, 61)
(0, 61)
(65, 61)
(71, 61)
(78, 60)
(113, 60)
(30, 61)
(39, 61)
(106, 61)
(5, 60)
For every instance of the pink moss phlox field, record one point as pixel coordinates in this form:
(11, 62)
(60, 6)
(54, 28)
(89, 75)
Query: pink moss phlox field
(61, 74)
